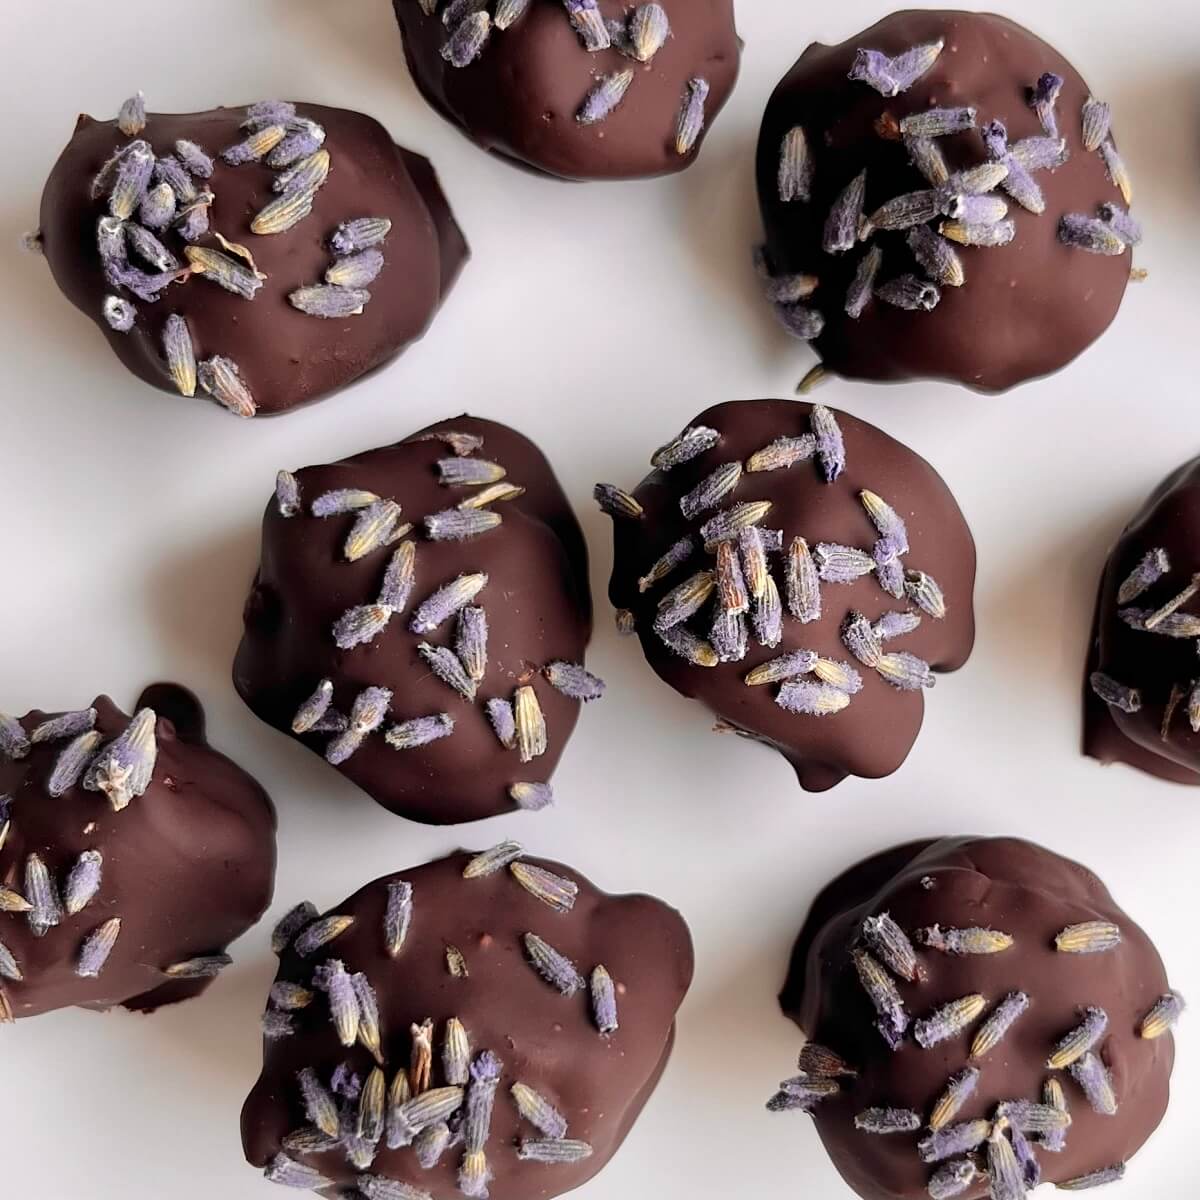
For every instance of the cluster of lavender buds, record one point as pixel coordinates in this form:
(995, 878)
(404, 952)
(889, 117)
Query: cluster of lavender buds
(955, 208)
(462, 663)
(357, 262)
(999, 1149)
(1165, 620)
(639, 35)
(153, 198)
(737, 598)
(120, 769)
(399, 1102)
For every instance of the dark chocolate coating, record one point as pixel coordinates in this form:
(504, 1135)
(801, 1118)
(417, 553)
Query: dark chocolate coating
(537, 601)
(188, 866)
(1150, 662)
(543, 1039)
(520, 98)
(286, 357)
(1016, 888)
(872, 737)
(1026, 309)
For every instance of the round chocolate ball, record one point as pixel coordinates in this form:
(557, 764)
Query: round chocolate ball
(131, 855)
(580, 89)
(263, 257)
(479, 1025)
(943, 198)
(1142, 695)
(420, 619)
(977, 1009)
(801, 574)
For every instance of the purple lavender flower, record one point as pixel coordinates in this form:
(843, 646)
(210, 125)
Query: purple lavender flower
(994, 1030)
(532, 797)
(959, 1089)
(123, 769)
(344, 1010)
(157, 209)
(606, 94)
(1128, 700)
(14, 743)
(1043, 98)
(131, 180)
(96, 949)
(691, 116)
(846, 217)
(83, 882)
(787, 666)
(1091, 234)
(360, 626)
(893, 1020)
(41, 891)
(573, 680)
(588, 24)
(553, 1150)
(466, 41)
(360, 234)
(862, 286)
(966, 234)
(1123, 225)
(676, 556)
(795, 166)
(1097, 122)
(445, 664)
(891, 945)
(1163, 1017)
(329, 302)
(891, 76)
(811, 699)
(206, 966)
(604, 1001)
(277, 1025)
(691, 443)
(290, 924)
(936, 256)
(800, 321)
(803, 583)
(906, 671)
(400, 577)
(398, 915)
(953, 1141)
(953, 1179)
(556, 969)
(221, 378)
(767, 616)
(948, 1021)
(500, 714)
(841, 564)
(938, 122)
(885, 1121)
(420, 731)
(538, 1111)
(729, 636)
(1080, 1040)
(1096, 1082)
(319, 1105)
(459, 525)
(290, 1173)
(1006, 1175)
(446, 602)
(895, 624)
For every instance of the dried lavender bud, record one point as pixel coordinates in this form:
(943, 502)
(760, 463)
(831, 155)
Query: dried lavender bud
(625, 622)
(903, 212)
(460, 525)
(1090, 234)
(493, 860)
(207, 966)
(993, 1031)
(691, 116)
(224, 270)
(730, 522)
(1097, 121)
(275, 1026)
(538, 1111)
(290, 924)
(290, 996)
(1006, 1178)
(788, 290)
(1118, 172)
(802, 1094)
(445, 664)
(13, 902)
(588, 24)
(893, 1020)
(691, 443)
(222, 380)
(822, 1062)
(553, 1150)
(906, 671)
(573, 680)
(1096, 1083)
(319, 1105)
(397, 917)
(924, 592)
(1080, 1040)
(83, 882)
(1122, 224)
(1163, 1017)
(344, 1010)
(891, 945)
(895, 624)
(1089, 937)
(320, 933)
(351, 237)
(557, 970)
(446, 602)
(954, 1140)
(14, 743)
(118, 313)
(948, 1021)
(887, 1121)
(532, 797)
(688, 646)
(782, 453)
(953, 1179)
(466, 41)
(910, 293)
(8, 965)
(684, 600)
(616, 502)
(1043, 98)
(290, 1173)
(846, 217)
(999, 234)
(531, 739)
(131, 180)
(123, 769)
(937, 257)
(891, 76)
(1093, 1179)
(96, 948)
(500, 714)
(862, 286)
(468, 472)
(729, 636)
(965, 941)
(420, 731)
(767, 616)
(292, 150)
(180, 354)
(254, 147)
(795, 166)
(676, 556)
(841, 564)
(72, 762)
(296, 202)
(938, 122)
(360, 626)
(786, 667)
(170, 170)
(800, 321)
(605, 95)
(711, 491)
(959, 1090)
(604, 1001)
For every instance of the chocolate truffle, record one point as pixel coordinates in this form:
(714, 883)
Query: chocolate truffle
(263, 257)
(1142, 692)
(131, 855)
(481, 1024)
(977, 1009)
(420, 619)
(800, 573)
(943, 199)
(581, 89)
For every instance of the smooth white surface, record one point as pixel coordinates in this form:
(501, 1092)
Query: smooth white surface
(598, 320)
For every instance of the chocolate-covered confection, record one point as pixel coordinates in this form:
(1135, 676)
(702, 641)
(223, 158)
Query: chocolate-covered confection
(481, 1025)
(1142, 691)
(131, 855)
(800, 573)
(420, 618)
(980, 1017)
(263, 257)
(581, 89)
(943, 199)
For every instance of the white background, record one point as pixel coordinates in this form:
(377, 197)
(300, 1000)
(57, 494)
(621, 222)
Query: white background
(597, 319)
